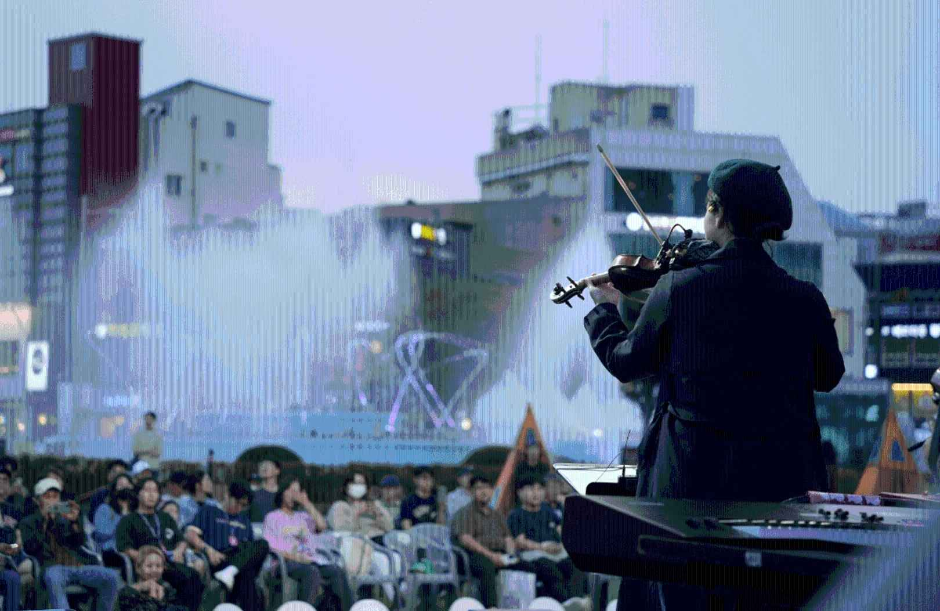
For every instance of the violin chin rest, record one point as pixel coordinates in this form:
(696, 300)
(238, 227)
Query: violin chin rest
(627, 279)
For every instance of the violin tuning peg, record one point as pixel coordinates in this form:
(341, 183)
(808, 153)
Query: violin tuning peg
(580, 296)
(571, 280)
(568, 303)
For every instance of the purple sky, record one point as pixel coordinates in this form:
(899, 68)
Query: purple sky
(378, 101)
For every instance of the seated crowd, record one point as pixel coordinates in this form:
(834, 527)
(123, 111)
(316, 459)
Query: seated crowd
(148, 544)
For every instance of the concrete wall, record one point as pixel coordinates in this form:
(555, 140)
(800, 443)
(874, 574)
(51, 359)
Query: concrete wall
(236, 177)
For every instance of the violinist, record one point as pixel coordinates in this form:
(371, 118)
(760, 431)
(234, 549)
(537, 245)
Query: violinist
(738, 347)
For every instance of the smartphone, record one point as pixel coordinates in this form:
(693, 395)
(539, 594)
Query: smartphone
(60, 508)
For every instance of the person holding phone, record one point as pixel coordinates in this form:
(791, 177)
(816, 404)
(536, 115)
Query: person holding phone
(54, 536)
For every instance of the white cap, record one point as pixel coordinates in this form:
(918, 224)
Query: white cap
(139, 467)
(45, 485)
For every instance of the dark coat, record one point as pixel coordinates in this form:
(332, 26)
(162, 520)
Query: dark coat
(738, 346)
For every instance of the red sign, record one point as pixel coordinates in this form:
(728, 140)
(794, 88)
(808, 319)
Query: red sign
(922, 243)
(13, 134)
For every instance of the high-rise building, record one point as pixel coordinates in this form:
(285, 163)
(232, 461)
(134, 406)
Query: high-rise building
(101, 74)
(65, 168)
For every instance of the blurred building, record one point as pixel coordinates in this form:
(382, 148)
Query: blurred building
(65, 169)
(209, 148)
(647, 131)
(900, 265)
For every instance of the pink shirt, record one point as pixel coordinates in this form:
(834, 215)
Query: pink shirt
(290, 533)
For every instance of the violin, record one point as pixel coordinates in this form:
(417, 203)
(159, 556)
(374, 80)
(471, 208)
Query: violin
(635, 275)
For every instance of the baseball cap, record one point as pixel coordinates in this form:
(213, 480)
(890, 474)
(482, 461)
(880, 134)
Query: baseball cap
(390, 481)
(139, 467)
(45, 485)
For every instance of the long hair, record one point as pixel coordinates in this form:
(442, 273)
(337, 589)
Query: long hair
(113, 494)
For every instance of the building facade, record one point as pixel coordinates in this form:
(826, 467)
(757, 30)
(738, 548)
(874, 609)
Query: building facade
(647, 133)
(66, 169)
(209, 148)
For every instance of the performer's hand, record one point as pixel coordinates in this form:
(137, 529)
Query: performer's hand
(605, 293)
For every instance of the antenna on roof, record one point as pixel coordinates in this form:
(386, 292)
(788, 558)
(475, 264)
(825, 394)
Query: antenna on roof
(538, 70)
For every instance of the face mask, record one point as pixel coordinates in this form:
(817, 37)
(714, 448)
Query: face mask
(357, 491)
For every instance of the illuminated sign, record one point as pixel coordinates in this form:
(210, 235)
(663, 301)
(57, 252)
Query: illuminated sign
(15, 321)
(13, 134)
(5, 190)
(37, 366)
(122, 330)
(634, 222)
(426, 232)
(371, 326)
(916, 331)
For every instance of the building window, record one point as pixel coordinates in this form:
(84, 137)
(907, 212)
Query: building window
(659, 112)
(844, 323)
(77, 56)
(230, 129)
(174, 185)
(203, 166)
(24, 159)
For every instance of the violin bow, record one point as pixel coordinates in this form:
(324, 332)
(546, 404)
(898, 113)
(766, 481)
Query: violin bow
(626, 189)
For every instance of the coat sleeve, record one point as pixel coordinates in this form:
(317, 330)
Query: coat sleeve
(637, 353)
(828, 365)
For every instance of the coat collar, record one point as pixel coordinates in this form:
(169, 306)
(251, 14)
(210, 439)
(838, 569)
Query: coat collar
(741, 248)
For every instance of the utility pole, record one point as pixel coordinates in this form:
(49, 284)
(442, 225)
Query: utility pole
(192, 183)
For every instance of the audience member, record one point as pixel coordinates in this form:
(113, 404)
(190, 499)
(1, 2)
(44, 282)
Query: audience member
(228, 541)
(536, 532)
(176, 491)
(100, 496)
(200, 488)
(555, 491)
(358, 515)
(122, 500)
(141, 471)
(291, 534)
(147, 526)
(172, 509)
(11, 504)
(483, 532)
(263, 501)
(391, 497)
(11, 582)
(423, 506)
(531, 464)
(150, 592)
(148, 444)
(461, 496)
(54, 536)
(12, 465)
(11, 546)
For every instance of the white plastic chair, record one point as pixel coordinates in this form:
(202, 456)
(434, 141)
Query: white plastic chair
(466, 604)
(546, 603)
(368, 604)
